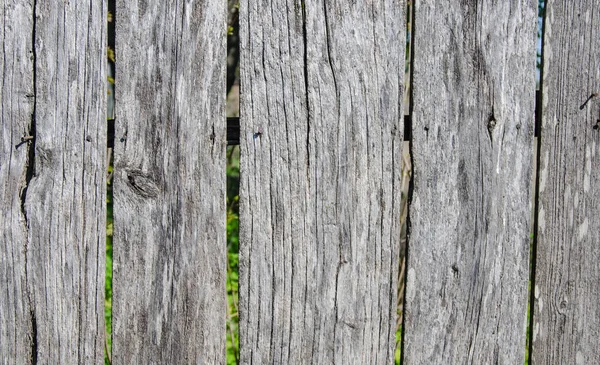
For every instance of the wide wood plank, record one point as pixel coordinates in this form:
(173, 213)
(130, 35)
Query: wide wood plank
(56, 97)
(473, 118)
(567, 279)
(321, 139)
(169, 272)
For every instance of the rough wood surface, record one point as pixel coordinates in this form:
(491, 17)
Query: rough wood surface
(16, 96)
(473, 118)
(169, 272)
(567, 282)
(54, 239)
(321, 140)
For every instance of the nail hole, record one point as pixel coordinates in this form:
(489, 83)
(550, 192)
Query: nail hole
(455, 270)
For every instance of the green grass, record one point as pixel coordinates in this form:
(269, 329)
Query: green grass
(233, 180)
(397, 352)
(108, 282)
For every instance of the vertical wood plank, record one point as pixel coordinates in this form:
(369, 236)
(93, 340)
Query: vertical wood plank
(66, 198)
(473, 118)
(169, 272)
(567, 280)
(58, 98)
(17, 98)
(321, 139)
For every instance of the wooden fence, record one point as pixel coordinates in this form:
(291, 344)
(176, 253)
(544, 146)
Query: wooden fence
(320, 202)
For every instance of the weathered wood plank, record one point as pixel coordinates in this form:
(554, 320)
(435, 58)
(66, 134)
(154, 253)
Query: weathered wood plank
(16, 96)
(66, 198)
(473, 118)
(321, 140)
(567, 280)
(58, 97)
(169, 272)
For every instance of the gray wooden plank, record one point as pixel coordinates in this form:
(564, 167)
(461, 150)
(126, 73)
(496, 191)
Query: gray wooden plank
(567, 279)
(66, 198)
(473, 118)
(16, 96)
(59, 95)
(321, 142)
(169, 272)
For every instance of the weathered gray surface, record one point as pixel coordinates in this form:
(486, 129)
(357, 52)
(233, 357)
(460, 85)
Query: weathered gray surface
(16, 96)
(567, 283)
(53, 241)
(169, 303)
(320, 187)
(473, 119)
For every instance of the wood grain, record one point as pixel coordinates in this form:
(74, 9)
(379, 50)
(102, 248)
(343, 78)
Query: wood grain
(169, 303)
(57, 88)
(321, 140)
(17, 98)
(473, 118)
(567, 280)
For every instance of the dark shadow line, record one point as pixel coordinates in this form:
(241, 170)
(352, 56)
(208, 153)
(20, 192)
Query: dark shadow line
(538, 134)
(409, 137)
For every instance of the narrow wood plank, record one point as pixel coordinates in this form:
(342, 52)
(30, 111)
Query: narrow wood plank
(66, 198)
(16, 96)
(473, 118)
(321, 140)
(567, 280)
(169, 272)
(59, 256)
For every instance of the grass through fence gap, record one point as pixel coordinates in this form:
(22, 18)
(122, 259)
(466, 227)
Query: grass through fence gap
(536, 147)
(233, 187)
(110, 116)
(233, 173)
(108, 282)
(406, 182)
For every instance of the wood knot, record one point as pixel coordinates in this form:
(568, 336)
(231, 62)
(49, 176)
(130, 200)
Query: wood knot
(142, 184)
